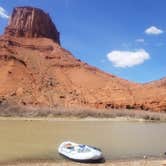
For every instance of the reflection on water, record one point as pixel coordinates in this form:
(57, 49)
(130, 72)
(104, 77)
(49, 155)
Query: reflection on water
(117, 139)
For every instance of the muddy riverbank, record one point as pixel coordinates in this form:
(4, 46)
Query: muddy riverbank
(146, 162)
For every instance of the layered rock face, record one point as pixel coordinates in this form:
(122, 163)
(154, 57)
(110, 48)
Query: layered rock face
(31, 22)
(39, 72)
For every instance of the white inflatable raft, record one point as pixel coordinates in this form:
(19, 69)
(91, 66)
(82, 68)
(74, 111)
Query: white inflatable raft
(79, 152)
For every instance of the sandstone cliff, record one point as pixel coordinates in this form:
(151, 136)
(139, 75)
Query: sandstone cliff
(31, 22)
(35, 70)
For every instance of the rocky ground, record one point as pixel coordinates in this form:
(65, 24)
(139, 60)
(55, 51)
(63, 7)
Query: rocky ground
(114, 163)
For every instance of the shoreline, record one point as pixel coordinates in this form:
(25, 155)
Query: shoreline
(27, 112)
(116, 119)
(132, 162)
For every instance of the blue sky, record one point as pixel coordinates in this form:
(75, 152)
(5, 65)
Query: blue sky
(122, 37)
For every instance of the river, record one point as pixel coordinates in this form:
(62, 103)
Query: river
(39, 139)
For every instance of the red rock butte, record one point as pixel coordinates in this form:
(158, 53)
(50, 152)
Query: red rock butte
(31, 22)
(36, 71)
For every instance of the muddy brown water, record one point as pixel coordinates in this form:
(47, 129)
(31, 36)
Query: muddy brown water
(21, 140)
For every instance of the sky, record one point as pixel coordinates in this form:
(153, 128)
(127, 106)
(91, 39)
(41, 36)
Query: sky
(126, 38)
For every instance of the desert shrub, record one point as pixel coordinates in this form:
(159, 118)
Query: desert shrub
(14, 110)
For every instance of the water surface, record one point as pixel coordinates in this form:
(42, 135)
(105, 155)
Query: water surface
(118, 139)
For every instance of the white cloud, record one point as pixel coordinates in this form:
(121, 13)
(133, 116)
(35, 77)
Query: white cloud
(140, 40)
(3, 13)
(127, 58)
(153, 31)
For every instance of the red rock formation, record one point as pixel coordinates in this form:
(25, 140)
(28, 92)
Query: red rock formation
(31, 22)
(35, 71)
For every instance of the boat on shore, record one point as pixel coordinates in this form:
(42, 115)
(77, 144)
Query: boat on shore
(80, 152)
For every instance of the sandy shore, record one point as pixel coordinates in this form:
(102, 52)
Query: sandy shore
(74, 119)
(109, 163)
